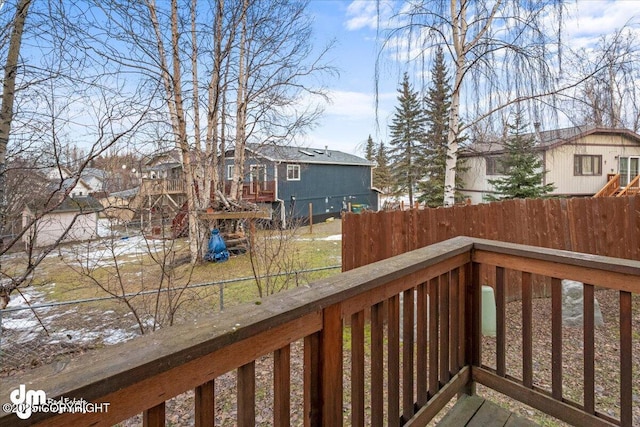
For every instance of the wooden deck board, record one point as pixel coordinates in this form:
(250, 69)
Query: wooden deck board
(475, 411)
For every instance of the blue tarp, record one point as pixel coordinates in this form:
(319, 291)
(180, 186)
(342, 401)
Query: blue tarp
(217, 249)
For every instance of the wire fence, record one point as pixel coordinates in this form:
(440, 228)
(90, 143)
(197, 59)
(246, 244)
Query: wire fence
(40, 332)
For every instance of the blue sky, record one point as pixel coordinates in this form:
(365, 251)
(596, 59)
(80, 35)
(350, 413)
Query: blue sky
(351, 117)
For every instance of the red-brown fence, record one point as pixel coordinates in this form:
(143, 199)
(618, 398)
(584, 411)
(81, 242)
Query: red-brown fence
(608, 226)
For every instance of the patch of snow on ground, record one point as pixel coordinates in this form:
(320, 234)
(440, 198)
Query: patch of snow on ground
(334, 237)
(115, 336)
(103, 253)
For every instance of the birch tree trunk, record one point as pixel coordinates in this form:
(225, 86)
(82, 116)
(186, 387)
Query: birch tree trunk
(241, 113)
(173, 86)
(8, 97)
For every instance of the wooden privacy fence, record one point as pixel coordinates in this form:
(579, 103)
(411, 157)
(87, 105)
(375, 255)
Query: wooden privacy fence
(608, 226)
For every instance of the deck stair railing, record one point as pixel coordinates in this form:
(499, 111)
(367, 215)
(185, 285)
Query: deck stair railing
(414, 343)
(611, 187)
(631, 188)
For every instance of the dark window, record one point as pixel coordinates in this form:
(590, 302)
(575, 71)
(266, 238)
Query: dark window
(495, 166)
(587, 165)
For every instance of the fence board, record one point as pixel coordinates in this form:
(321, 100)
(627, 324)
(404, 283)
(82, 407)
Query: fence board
(590, 225)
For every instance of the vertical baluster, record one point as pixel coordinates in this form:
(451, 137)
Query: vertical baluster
(556, 338)
(407, 354)
(205, 404)
(393, 361)
(312, 381)
(247, 395)
(626, 367)
(501, 328)
(444, 328)
(434, 385)
(455, 322)
(282, 386)
(331, 362)
(474, 313)
(589, 350)
(357, 369)
(465, 275)
(154, 417)
(377, 366)
(421, 344)
(527, 343)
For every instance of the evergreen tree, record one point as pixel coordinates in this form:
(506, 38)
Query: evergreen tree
(407, 136)
(370, 150)
(437, 103)
(382, 179)
(523, 167)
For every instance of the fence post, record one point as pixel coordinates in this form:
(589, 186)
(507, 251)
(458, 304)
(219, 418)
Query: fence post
(310, 218)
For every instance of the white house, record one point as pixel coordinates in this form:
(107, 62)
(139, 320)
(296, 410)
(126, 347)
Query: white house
(77, 217)
(95, 179)
(578, 161)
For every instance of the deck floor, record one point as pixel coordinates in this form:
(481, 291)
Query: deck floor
(474, 411)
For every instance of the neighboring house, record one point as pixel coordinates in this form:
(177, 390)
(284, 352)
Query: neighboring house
(578, 161)
(288, 179)
(75, 189)
(95, 179)
(57, 173)
(166, 165)
(61, 179)
(119, 205)
(78, 215)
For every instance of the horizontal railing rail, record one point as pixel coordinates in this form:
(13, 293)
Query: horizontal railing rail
(409, 329)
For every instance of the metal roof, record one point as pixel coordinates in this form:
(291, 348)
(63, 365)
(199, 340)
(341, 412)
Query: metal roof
(292, 154)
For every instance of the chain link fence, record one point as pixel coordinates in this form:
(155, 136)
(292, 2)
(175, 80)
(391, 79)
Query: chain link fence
(35, 332)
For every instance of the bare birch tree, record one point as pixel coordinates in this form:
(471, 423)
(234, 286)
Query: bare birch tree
(53, 97)
(501, 52)
(257, 54)
(610, 98)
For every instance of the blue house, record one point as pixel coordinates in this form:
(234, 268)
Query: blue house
(288, 179)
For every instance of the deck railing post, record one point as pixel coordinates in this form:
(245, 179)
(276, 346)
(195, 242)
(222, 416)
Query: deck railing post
(472, 323)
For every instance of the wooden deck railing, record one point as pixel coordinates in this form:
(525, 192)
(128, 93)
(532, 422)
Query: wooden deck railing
(419, 311)
(610, 188)
(631, 188)
(259, 192)
(162, 186)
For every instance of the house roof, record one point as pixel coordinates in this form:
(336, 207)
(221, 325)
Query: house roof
(277, 153)
(72, 204)
(126, 194)
(549, 139)
(94, 173)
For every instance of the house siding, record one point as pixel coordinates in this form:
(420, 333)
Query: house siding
(330, 188)
(50, 227)
(559, 164)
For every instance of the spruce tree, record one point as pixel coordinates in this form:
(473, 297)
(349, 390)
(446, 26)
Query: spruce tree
(382, 174)
(437, 105)
(370, 150)
(407, 135)
(523, 167)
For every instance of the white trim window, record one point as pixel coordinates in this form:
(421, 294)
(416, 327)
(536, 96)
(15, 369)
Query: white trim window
(229, 172)
(293, 172)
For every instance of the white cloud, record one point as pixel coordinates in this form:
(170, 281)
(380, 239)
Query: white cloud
(589, 20)
(364, 14)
